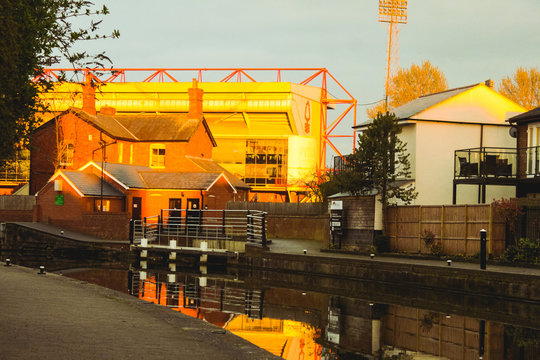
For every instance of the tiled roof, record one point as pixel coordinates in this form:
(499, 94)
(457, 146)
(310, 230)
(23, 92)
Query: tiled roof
(422, 103)
(212, 166)
(143, 127)
(187, 181)
(127, 174)
(90, 184)
(533, 115)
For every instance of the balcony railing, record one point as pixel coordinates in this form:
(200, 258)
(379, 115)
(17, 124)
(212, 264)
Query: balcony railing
(14, 171)
(497, 163)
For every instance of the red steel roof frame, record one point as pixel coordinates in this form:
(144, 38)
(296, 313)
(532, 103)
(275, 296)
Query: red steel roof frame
(240, 74)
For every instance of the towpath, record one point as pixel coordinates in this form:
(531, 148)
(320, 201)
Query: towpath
(55, 317)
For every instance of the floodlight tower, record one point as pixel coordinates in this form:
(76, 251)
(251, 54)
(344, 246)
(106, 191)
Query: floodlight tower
(393, 12)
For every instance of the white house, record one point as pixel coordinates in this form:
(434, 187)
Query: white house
(434, 126)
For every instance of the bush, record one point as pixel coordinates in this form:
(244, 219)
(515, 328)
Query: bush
(436, 249)
(428, 237)
(382, 243)
(527, 251)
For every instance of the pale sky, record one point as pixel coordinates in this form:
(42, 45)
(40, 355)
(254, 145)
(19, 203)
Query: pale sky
(469, 40)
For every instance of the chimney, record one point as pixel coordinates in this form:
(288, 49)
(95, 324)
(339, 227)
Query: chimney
(89, 96)
(107, 110)
(195, 101)
(489, 83)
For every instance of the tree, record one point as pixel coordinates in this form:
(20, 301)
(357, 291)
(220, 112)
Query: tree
(35, 34)
(378, 163)
(523, 87)
(409, 84)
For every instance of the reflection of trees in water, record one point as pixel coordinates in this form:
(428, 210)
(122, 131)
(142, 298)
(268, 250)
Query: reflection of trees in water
(429, 319)
(524, 341)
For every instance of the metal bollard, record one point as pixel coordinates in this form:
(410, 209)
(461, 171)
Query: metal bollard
(449, 262)
(8, 262)
(483, 237)
(372, 255)
(41, 270)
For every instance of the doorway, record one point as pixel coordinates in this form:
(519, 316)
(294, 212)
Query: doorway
(136, 208)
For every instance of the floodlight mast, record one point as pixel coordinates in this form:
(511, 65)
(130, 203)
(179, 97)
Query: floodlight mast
(393, 12)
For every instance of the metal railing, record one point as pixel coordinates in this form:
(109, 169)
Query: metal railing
(189, 294)
(189, 226)
(497, 162)
(485, 162)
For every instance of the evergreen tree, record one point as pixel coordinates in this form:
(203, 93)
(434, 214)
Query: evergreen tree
(377, 164)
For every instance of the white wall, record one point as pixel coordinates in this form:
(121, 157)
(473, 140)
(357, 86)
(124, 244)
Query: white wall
(435, 146)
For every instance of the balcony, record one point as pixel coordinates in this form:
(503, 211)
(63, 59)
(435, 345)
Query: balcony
(496, 166)
(486, 165)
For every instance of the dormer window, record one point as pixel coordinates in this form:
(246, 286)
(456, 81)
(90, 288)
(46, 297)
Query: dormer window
(157, 155)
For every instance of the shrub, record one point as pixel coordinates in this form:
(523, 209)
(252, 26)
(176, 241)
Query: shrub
(527, 251)
(428, 237)
(436, 249)
(382, 243)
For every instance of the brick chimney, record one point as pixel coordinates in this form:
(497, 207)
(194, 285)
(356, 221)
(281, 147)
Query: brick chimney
(195, 101)
(89, 96)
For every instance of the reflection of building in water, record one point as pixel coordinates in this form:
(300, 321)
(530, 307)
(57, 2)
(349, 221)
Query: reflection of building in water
(445, 336)
(236, 309)
(299, 325)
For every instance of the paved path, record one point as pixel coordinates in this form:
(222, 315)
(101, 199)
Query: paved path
(313, 248)
(54, 317)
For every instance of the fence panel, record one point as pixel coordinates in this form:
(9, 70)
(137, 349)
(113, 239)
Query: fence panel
(456, 228)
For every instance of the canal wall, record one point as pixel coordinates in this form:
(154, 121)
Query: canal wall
(440, 278)
(31, 239)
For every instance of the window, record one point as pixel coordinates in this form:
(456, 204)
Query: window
(266, 162)
(66, 157)
(120, 152)
(106, 205)
(157, 155)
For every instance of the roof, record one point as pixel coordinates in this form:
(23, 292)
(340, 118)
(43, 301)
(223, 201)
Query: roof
(422, 103)
(129, 175)
(90, 184)
(533, 115)
(212, 166)
(187, 181)
(145, 126)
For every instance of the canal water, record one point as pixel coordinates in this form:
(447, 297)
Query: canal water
(305, 317)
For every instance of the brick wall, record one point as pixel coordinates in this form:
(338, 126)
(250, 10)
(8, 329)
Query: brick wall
(358, 223)
(15, 215)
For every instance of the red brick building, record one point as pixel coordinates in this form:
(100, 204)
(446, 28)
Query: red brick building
(85, 162)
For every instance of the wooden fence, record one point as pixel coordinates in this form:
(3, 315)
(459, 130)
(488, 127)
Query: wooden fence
(456, 228)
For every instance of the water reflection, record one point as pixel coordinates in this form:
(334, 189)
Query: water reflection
(295, 324)
(320, 318)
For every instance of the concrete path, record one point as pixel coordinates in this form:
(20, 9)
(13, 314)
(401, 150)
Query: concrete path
(54, 317)
(313, 248)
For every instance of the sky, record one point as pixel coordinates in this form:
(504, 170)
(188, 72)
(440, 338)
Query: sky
(470, 41)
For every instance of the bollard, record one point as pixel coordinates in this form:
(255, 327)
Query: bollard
(483, 241)
(41, 270)
(305, 251)
(8, 262)
(372, 255)
(449, 262)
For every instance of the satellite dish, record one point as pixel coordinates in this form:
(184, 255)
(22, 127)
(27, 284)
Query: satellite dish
(513, 131)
